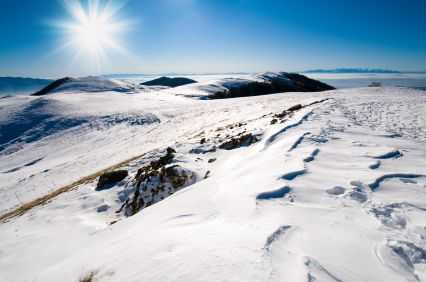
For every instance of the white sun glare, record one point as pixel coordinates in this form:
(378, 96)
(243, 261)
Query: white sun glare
(93, 29)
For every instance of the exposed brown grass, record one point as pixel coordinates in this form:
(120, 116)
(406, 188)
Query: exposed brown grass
(44, 199)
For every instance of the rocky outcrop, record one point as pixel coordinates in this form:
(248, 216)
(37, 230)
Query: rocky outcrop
(157, 181)
(109, 178)
(169, 81)
(239, 141)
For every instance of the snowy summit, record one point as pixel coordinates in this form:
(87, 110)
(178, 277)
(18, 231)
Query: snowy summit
(160, 186)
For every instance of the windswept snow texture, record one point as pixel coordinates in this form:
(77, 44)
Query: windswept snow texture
(335, 191)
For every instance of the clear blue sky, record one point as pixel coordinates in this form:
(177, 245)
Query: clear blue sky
(223, 36)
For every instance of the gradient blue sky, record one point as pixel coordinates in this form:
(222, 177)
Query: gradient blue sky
(224, 36)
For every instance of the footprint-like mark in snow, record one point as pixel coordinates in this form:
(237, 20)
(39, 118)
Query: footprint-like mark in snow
(274, 194)
(275, 236)
(394, 154)
(402, 257)
(298, 141)
(358, 193)
(376, 184)
(389, 216)
(316, 272)
(272, 138)
(375, 165)
(312, 156)
(292, 175)
(337, 190)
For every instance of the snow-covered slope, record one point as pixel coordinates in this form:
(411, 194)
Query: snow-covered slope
(85, 84)
(333, 188)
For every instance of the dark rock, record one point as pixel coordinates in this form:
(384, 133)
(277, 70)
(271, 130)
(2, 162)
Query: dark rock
(239, 141)
(295, 108)
(274, 121)
(288, 111)
(166, 159)
(211, 160)
(154, 185)
(52, 86)
(169, 81)
(203, 149)
(110, 178)
(203, 140)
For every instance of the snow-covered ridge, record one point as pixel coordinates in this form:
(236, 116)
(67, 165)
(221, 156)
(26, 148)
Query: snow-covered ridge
(259, 84)
(86, 84)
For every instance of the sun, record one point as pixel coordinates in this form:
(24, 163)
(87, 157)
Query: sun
(93, 33)
(93, 29)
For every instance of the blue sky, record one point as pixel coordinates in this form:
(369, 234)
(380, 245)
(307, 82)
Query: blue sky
(221, 36)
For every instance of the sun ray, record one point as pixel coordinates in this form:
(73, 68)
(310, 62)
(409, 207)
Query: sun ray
(93, 31)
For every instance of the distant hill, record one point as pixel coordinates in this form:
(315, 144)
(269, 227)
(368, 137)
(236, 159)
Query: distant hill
(17, 85)
(351, 70)
(84, 84)
(259, 84)
(169, 81)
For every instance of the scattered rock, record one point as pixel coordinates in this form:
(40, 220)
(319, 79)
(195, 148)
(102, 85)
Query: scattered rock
(239, 141)
(288, 111)
(211, 160)
(274, 121)
(110, 178)
(295, 108)
(203, 149)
